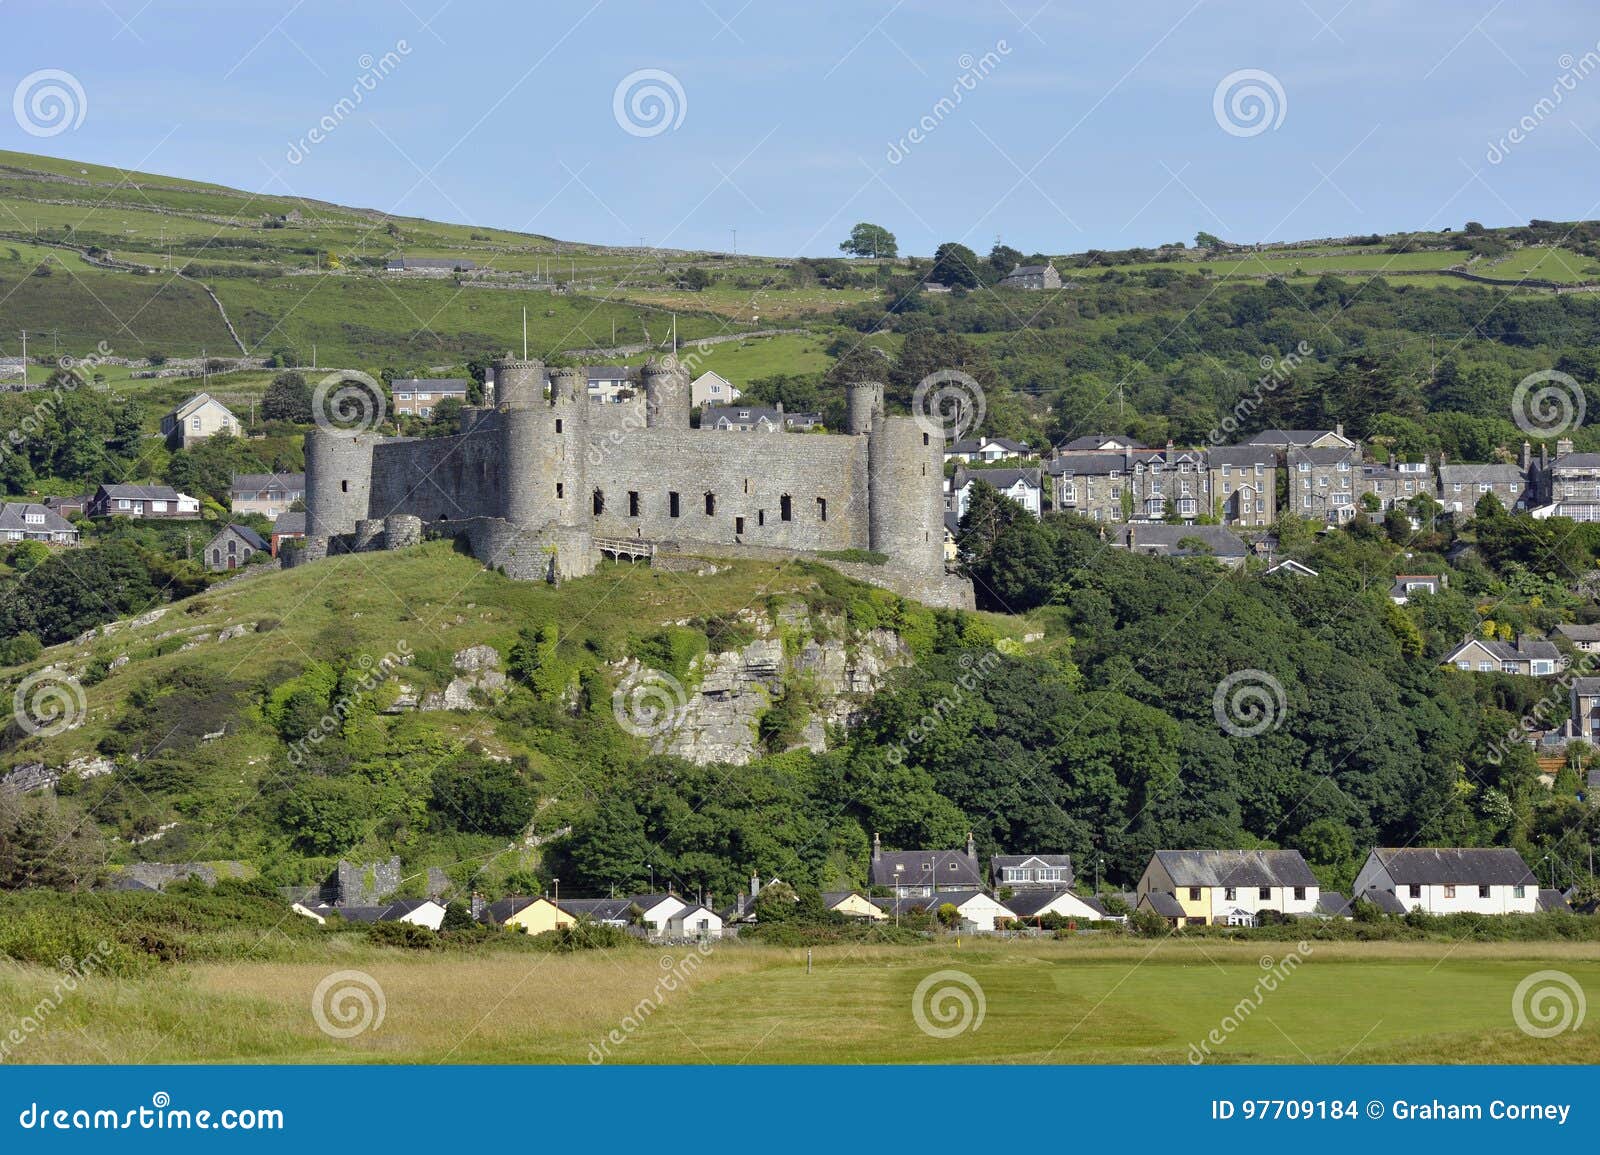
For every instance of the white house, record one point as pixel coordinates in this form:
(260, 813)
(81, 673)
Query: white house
(695, 922)
(1231, 887)
(979, 910)
(1531, 657)
(417, 911)
(712, 388)
(1020, 485)
(658, 910)
(1029, 905)
(986, 449)
(1448, 881)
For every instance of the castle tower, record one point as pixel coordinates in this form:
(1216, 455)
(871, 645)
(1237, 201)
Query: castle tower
(518, 384)
(905, 476)
(863, 406)
(542, 452)
(338, 481)
(667, 396)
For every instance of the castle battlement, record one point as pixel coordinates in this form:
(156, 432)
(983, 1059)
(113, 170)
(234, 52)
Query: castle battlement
(534, 479)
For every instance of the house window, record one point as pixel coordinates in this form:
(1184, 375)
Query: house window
(1483, 892)
(216, 557)
(1520, 891)
(194, 423)
(822, 509)
(1230, 893)
(633, 503)
(672, 505)
(785, 508)
(1416, 890)
(1300, 893)
(1265, 892)
(1449, 890)
(1194, 894)
(711, 504)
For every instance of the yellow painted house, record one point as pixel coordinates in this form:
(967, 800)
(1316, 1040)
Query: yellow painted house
(529, 915)
(848, 902)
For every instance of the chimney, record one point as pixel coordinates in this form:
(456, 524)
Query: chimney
(1563, 447)
(755, 884)
(877, 847)
(1169, 447)
(1130, 535)
(780, 407)
(1339, 429)
(1393, 460)
(1544, 454)
(972, 848)
(1527, 454)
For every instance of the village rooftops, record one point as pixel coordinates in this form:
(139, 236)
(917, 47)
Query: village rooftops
(1099, 443)
(1160, 538)
(1430, 866)
(1027, 903)
(1236, 868)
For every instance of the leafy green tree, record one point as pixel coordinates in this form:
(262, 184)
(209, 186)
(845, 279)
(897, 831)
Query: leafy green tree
(956, 265)
(288, 398)
(869, 240)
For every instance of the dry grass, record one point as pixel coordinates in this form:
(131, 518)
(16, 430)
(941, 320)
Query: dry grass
(1082, 1001)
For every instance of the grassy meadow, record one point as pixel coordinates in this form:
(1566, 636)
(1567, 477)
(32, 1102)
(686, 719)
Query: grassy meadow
(1076, 1001)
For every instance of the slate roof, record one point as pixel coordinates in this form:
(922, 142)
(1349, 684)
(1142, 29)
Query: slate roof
(1003, 860)
(1332, 904)
(925, 868)
(1513, 651)
(387, 912)
(499, 911)
(1165, 538)
(752, 414)
(1576, 461)
(599, 909)
(141, 492)
(1029, 271)
(454, 385)
(198, 401)
(1579, 633)
(1431, 866)
(251, 538)
(1288, 437)
(932, 902)
(1553, 900)
(952, 523)
(1097, 441)
(1097, 464)
(1470, 474)
(1236, 868)
(1027, 903)
(832, 898)
(255, 482)
(1321, 456)
(431, 263)
(1164, 904)
(1583, 686)
(648, 902)
(290, 523)
(974, 444)
(13, 516)
(1242, 455)
(999, 478)
(1384, 900)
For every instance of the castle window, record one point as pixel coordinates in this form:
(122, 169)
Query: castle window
(924, 439)
(738, 525)
(711, 504)
(822, 509)
(344, 487)
(558, 425)
(561, 491)
(747, 485)
(672, 505)
(785, 508)
(761, 517)
(599, 502)
(633, 503)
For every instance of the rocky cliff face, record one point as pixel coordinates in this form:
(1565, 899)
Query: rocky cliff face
(722, 706)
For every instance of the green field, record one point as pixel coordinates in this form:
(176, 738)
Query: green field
(1081, 1001)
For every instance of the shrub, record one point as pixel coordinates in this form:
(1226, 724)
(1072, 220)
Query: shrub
(405, 935)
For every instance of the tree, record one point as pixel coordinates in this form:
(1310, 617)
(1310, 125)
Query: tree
(955, 265)
(695, 279)
(1205, 240)
(288, 398)
(869, 240)
(457, 916)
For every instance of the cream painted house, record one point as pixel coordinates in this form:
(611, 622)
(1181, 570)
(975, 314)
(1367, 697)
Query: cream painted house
(196, 419)
(529, 915)
(1450, 881)
(1228, 887)
(712, 388)
(852, 905)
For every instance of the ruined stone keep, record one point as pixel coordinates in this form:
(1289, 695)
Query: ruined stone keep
(547, 481)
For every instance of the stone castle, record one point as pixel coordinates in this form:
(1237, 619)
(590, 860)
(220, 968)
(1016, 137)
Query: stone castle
(545, 482)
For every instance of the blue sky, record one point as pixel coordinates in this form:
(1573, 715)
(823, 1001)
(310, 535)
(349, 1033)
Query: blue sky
(1079, 125)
